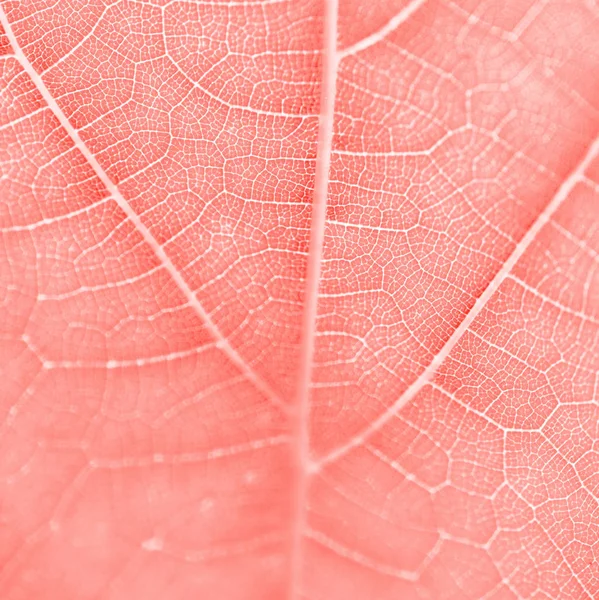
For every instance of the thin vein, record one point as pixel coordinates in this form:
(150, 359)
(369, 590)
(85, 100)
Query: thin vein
(563, 309)
(575, 177)
(221, 342)
(358, 558)
(379, 35)
(314, 266)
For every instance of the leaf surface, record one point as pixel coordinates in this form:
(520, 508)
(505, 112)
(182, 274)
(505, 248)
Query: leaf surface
(299, 300)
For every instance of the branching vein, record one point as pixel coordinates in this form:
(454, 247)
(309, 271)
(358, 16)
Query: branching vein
(575, 177)
(221, 342)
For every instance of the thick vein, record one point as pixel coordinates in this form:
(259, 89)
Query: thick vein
(221, 342)
(575, 177)
(317, 232)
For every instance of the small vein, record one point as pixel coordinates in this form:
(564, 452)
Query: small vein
(191, 457)
(257, 111)
(555, 303)
(379, 35)
(221, 342)
(358, 558)
(575, 177)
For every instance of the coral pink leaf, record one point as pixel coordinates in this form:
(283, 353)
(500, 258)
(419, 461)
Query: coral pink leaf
(300, 299)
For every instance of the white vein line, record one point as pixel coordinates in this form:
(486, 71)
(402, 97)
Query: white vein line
(315, 254)
(575, 177)
(192, 457)
(379, 35)
(48, 221)
(257, 111)
(221, 342)
(358, 558)
(545, 299)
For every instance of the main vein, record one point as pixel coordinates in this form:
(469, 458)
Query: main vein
(317, 232)
(221, 342)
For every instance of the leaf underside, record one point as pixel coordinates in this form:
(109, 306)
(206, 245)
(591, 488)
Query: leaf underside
(299, 300)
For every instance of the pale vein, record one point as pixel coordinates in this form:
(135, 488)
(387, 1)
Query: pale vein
(379, 35)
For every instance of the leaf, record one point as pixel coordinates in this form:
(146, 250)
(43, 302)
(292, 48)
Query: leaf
(299, 300)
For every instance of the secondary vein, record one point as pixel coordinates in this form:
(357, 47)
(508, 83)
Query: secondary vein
(379, 35)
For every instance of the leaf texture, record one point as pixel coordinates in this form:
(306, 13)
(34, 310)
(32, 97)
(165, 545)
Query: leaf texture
(300, 300)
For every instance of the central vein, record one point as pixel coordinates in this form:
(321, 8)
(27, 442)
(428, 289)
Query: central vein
(330, 62)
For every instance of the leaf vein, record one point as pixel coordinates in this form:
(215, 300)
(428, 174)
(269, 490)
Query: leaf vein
(221, 342)
(575, 177)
